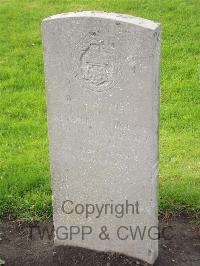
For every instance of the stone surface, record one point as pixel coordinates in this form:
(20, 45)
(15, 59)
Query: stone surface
(102, 82)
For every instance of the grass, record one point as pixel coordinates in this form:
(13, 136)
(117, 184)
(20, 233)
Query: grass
(24, 157)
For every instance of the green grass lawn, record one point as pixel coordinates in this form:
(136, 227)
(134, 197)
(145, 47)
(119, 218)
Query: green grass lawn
(24, 157)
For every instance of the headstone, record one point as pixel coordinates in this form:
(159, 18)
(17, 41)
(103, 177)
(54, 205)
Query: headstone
(102, 82)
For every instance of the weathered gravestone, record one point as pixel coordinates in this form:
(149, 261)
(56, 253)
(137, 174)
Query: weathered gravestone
(102, 81)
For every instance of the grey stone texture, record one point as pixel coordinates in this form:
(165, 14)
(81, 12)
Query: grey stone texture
(102, 84)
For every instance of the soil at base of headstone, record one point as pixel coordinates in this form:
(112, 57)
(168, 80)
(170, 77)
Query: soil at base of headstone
(23, 244)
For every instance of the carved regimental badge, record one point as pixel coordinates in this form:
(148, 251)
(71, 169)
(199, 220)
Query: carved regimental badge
(96, 63)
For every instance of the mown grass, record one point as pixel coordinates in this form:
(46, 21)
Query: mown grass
(24, 163)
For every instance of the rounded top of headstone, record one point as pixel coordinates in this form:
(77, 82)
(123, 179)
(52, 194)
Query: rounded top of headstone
(145, 23)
